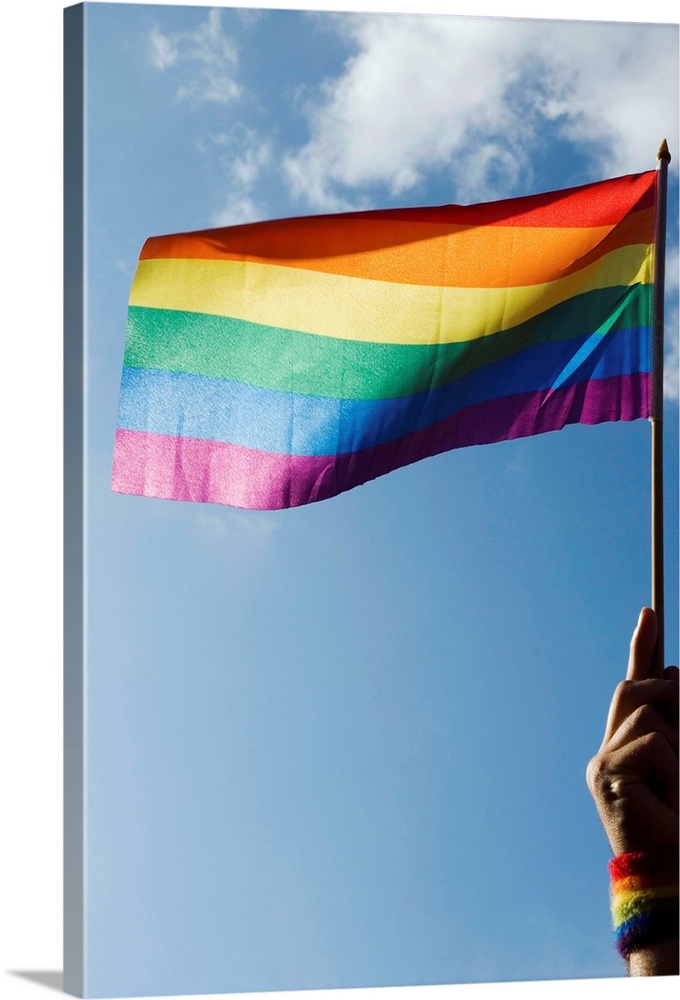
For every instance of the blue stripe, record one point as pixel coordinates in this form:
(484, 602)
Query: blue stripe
(215, 409)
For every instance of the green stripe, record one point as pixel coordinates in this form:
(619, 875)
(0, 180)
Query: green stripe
(200, 344)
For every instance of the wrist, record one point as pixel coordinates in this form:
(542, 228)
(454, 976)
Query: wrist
(644, 899)
(655, 960)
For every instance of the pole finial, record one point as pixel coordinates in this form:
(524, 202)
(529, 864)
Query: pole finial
(663, 153)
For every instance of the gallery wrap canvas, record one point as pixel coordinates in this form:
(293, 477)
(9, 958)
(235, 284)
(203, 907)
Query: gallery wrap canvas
(343, 745)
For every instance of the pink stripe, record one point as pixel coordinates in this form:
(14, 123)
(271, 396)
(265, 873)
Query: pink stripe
(173, 468)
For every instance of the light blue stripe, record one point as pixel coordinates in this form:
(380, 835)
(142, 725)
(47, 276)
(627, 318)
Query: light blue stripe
(286, 423)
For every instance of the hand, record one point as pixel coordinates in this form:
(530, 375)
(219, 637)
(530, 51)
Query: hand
(634, 776)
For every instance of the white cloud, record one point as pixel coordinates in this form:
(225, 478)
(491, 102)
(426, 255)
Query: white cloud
(238, 209)
(430, 92)
(246, 168)
(242, 155)
(207, 56)
(621, 86)
(163, 50)
(403, 104)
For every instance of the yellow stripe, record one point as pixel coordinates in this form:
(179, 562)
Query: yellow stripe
(363, 309)
(629, 904)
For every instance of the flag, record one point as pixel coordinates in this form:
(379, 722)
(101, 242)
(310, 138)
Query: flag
(278, 363)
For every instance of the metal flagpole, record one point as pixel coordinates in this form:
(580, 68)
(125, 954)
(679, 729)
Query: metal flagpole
(663, 159)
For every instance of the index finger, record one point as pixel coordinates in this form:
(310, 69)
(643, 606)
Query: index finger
(641, 658)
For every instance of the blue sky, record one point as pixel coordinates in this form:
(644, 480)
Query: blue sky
(345, 745)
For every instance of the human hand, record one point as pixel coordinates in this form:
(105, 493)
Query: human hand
(634, 776)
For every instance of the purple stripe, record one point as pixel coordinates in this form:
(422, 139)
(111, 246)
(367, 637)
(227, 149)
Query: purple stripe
(654, 925)
(173, 468)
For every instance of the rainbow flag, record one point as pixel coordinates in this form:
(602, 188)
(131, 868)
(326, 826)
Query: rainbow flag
(278, 363)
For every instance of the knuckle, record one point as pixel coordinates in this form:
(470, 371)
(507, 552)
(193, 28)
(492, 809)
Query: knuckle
(646, 716)
(624, 691)
(595, 771)
(655, 741)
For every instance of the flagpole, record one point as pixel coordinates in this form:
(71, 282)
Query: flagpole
(663, 159)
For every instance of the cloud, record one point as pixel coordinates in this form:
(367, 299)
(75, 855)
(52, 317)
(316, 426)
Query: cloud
(403, 104)
(238, 209)
(241, 156)
(475, 96)
(163, 50)
(207, 57)
(246, 168)
(205, 63)
(620, 85)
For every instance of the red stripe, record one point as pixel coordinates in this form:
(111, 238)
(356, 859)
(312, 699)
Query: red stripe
(645, 864)
(603, 204)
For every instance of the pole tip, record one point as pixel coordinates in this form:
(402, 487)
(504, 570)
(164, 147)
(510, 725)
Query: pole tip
(663, 153)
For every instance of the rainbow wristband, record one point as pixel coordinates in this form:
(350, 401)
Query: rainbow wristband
(644, 898)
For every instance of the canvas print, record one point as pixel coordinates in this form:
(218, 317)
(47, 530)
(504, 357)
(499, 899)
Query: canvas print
(371, 397)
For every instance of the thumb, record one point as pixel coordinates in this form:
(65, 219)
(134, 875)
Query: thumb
(641, 657)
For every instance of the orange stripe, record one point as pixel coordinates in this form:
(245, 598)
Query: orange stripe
(639, 883)
(411, 253)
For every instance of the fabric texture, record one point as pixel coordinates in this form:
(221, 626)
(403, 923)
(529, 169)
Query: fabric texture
(644, 898)
(278, 363)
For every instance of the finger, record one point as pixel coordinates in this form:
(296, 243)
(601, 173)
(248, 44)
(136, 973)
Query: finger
(671, 674)
(643, 721)
(640, 660)
(635, 791)
(630, 695)
(648, 767)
